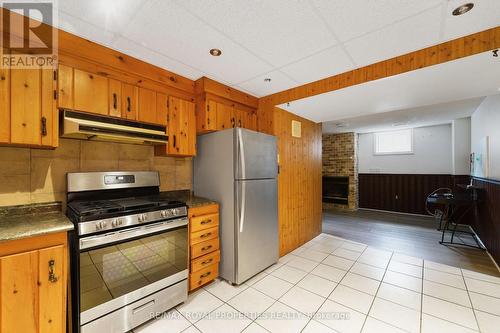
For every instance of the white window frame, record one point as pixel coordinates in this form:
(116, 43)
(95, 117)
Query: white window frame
(410, 152)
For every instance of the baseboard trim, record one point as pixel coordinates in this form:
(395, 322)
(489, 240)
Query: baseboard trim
(397, 213)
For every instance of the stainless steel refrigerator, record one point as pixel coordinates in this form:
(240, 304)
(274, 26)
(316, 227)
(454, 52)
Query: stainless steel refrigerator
(239, 169)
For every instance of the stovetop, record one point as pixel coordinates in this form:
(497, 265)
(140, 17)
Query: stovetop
(87, 210)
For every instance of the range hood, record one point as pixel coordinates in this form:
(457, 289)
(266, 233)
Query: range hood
(79, 125)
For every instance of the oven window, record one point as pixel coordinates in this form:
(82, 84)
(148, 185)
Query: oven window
(116, 270)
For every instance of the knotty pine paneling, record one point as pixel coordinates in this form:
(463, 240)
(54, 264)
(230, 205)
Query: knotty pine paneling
(299, 180)
(405, 193)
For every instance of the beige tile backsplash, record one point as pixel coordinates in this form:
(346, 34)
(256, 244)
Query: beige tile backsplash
(34, 175)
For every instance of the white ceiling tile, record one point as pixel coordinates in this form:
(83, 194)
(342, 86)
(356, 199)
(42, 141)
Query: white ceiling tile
(279, 31)
(135, 50)
(353, 18)
(258, 87)
(323, 64)
(111, 15)
(484, 15)
(71, 24)
(169, 29)
(409, 35)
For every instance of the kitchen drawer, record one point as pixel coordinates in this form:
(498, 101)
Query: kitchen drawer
(203, 210)
(205, 261)
(204, 222)
(205, 247)
(204, 235)
(201, 277)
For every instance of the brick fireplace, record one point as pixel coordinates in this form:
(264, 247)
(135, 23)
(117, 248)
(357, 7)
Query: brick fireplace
(340, 171)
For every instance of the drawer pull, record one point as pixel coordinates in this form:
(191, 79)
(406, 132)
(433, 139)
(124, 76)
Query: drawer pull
(206, 235)
(206, 262)
(206, 248)
(206, 222)
(205, 275)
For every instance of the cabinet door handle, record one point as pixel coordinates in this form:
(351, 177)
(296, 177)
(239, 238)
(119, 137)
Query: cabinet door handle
(52, 276)
(205, 221)
(206, 248)
(175, 140)
(206, 235)
(44, 126)
(233, 122)
(114, 101)
(206, 262)
(128, 103)
(239, 123)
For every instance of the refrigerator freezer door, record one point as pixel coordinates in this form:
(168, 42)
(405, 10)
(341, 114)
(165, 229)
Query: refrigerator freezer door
(256, 155)
(256, 227)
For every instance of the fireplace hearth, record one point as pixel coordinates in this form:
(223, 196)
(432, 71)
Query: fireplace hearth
(336, 190)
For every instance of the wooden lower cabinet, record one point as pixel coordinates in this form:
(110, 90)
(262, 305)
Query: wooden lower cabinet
(204, 245)
(33, 284)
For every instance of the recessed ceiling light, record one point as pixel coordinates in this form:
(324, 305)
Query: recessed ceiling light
(462, 9)
(267, 79)
(215, 52)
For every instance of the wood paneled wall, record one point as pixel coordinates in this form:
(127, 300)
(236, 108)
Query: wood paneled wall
(487, 216)
(405, 193)
(299, 181)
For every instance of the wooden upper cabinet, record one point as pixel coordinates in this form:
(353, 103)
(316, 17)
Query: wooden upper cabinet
(147, 105)
(161, 109)
(115, 98)
(90, 92)
(4, 105)
(65, 87)
(130, 95)
(225, 116)
(206, 115)
(246, 119)
(181, 128)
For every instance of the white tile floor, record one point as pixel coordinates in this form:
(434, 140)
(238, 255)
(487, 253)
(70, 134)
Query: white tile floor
(334, 285)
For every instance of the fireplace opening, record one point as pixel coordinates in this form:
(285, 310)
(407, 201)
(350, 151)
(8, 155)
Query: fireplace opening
(336, 190)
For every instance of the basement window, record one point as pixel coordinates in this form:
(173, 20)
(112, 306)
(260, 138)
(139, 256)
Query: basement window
(394, 142)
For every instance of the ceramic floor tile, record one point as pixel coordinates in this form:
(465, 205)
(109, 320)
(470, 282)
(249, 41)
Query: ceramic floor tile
(329, 272)
(286, 258)
(280, 318)
(447, 293)
(441, 267)
(488, 323)
(272, 286)
(303, 264)
(485, 303)
(302, 300)
(223, 319)
(407, 269)
(403, 280)
(432, 324)
(368, 271)
(316, 327)
(347, 254)
(396, 315)
(317, 285)
(251, 302)
(400, 296)
(198, 305)
(298, 250)
(480, 276)
(373, 325)
(256, 278)
(358, 247)
(407, 259)
(483, 287)
(352, 298)
(290, 274)
(374, 260)
(254, 328)
(342, 263)
(377, 253)
(272, 268)
(224, 290)
(314, 255)
(448, 279)
(360, 283)
(326, 248)
(455, 313)
(171, 320)
(340, 318)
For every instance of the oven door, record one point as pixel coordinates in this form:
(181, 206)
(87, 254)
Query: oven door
(122, 267)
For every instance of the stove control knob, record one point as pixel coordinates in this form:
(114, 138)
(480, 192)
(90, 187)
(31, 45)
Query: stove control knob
(142, 218)
(119, 221)
(175, 211)
(164, 213)
(114, 223)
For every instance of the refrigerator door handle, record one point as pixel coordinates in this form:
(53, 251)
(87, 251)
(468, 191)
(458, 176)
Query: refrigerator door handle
(242, 154)
(242, 205)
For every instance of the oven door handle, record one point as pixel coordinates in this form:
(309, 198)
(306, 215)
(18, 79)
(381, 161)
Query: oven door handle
(112, 237)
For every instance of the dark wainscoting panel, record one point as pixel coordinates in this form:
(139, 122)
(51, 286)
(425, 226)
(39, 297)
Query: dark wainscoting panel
(405, 193)
(487, 215)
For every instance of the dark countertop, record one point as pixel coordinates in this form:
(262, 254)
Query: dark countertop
(23, 221)
(188, 197)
